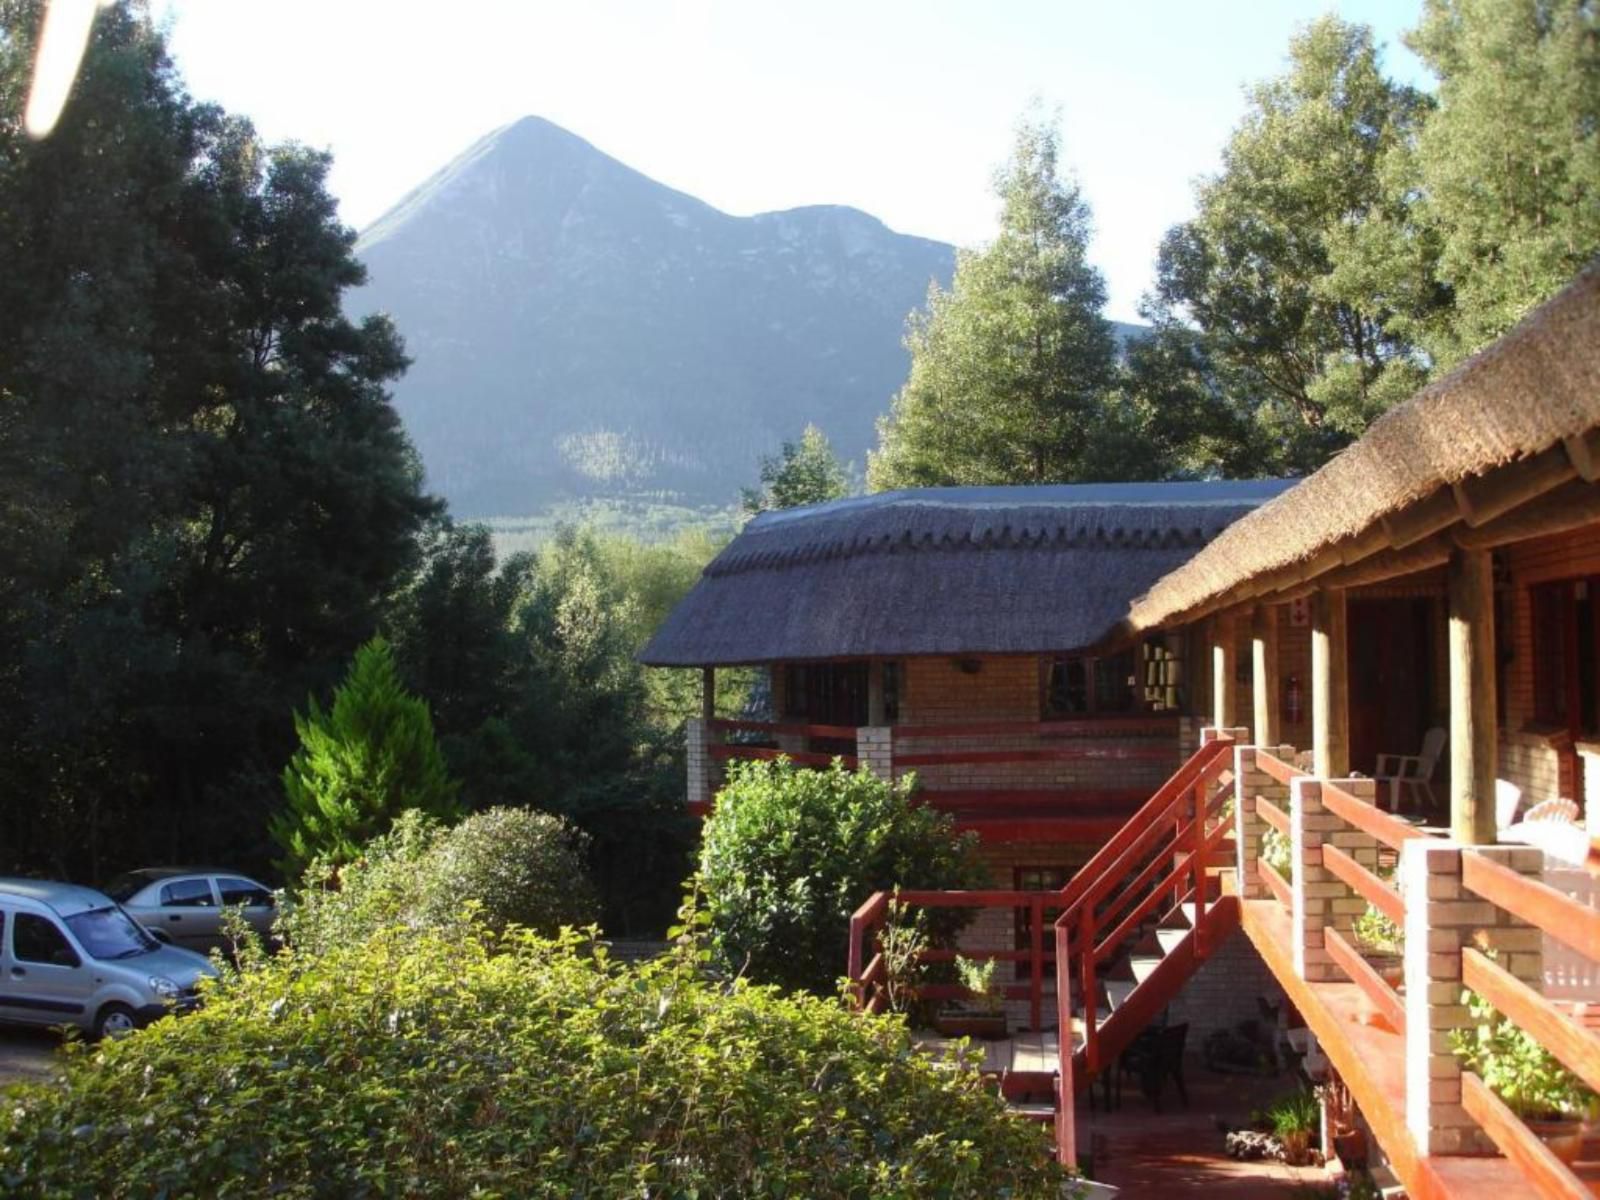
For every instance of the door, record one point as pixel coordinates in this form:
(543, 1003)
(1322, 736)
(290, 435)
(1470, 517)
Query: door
(1391, 678)
(186, 909)
(256, 900)
(42, 979)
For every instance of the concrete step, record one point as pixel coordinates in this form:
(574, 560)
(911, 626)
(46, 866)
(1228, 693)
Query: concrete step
(1144, 966)
(1171, 939)
(1118, 991)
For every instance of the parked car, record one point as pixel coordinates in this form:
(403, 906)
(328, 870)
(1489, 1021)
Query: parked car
(184, 904)
(69, 955)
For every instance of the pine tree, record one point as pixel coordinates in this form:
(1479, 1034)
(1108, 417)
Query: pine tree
(1508, 168)
(1012, 368)
(361, 763)
(807, 472)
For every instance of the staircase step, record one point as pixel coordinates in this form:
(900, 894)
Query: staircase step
(1171, 939)
(1117, 991)
(1034, 1112)
(1144, 966)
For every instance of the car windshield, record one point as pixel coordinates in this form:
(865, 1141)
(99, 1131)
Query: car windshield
(110, 933)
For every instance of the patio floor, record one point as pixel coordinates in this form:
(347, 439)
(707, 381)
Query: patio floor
(1178, 1151)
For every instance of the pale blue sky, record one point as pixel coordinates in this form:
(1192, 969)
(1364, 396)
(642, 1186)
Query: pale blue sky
(900, 108)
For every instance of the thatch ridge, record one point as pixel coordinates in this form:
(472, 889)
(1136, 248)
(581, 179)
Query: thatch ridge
(1525, 393)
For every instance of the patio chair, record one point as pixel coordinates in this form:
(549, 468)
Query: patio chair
(1414, 771)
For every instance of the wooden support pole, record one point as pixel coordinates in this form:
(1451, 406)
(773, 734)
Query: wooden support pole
(875, 710)
(1264, 674)
(708, 693)
(1330, 685)
(1223, 640)
(1474, 736)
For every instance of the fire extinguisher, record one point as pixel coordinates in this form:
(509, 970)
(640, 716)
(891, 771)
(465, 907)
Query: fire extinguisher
(1291, 700)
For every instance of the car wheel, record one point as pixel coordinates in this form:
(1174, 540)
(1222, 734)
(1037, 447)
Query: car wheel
(114, 1021)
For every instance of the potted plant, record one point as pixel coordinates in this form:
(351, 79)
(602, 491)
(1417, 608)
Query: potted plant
(983, 1015)
(1553, 1102)
(1294, 1121)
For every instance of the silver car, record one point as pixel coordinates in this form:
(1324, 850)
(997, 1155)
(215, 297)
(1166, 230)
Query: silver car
(70, 956)
(184, 905)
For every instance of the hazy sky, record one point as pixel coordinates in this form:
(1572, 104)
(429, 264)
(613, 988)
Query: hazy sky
(899, 108)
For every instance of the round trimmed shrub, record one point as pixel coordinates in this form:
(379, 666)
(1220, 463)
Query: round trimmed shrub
(788, 854)
(518, 866)
(424, 1065)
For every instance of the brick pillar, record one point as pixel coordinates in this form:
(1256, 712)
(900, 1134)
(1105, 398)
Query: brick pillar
(1248, 826)
(1211, 733)
(1314, 888)
(1347, 905)
(1442, 918)
(699, 760)
(875, 750)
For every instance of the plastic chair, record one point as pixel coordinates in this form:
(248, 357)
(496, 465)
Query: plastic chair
(1414, 771)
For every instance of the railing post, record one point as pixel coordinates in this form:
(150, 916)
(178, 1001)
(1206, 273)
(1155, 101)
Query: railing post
(1251, 781)
(1314, 888)
(1199, 871)
(1442, 918)
(875, 750)
(1036, 991)
(1066, 1130)
(1086, 987)
(696, 733)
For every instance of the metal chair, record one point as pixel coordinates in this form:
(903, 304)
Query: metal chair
(1414, 771)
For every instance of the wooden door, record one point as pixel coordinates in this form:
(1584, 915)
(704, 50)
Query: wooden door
(1391, 678)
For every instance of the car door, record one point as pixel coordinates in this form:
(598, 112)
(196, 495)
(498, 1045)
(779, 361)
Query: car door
(256, 901)
(186, 911)
(43, 980)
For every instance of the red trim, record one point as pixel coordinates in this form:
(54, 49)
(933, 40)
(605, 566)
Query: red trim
(801, 758)
(1061, 728)
(843, 732)
(1043, 754)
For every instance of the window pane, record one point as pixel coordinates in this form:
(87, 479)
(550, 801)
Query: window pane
(36, 939)
(242, 891)
(187, 893)
(1067, 688)
(1113, 683)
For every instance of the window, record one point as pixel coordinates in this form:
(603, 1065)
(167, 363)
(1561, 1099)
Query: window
(1036, 879)
(188, 893)
(836, 693)
(1085, 685)
(38, 939)
(1566, 682)
(242, 891)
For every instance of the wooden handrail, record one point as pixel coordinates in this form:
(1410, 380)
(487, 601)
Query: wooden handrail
(1189, 864)
(1274, 766)
(1376, 989)
(1367, 885)
(804, 758)
(1368, 818)
(1066, 1131)
(1275, 883)
(1541, 1168)
(1539, 904)
(1273, 815)
(786, 729)
(1161, 826)
(1091, 727)
(1574, 1045)
(935, 758)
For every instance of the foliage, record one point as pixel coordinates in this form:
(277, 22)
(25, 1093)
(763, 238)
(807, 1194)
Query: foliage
(423, 1065)
(205, 495)
(1377, 932)
(807, 472)
(789, 853)
(1296, 1112)
(495, 870)
(1507, 171)
(1012, 368)
(1278, 853)
(1515, 1067)
(1303, 344)
(902, 942)
(978, 978)
(515, 867)
(369, 757)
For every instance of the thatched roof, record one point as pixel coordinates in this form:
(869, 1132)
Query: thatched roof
(1535, 387)
(1005, 570)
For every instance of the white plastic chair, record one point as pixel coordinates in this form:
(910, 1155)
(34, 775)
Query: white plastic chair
(1414, 771)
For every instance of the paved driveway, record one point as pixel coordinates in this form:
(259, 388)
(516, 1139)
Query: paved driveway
(26, 1054)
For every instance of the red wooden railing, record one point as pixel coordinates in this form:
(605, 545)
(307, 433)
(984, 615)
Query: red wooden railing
(869, 979)
(726, 751)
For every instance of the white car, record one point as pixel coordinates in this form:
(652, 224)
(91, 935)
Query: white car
(184, 905)
(70, 956)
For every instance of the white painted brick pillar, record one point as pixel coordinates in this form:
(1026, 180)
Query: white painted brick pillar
(1345, 907)
(1248, 827)
(875, 750)
(1441, 919)
(1314, 888)
(699, 760)
(1210, 733)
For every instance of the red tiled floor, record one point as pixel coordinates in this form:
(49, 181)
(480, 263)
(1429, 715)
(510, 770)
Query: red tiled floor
(1179, 1150)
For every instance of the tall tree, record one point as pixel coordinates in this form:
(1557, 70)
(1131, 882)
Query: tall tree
(1012, 368)
(1508, 169)
(804, 472)
(1307, 343)
(206, 495)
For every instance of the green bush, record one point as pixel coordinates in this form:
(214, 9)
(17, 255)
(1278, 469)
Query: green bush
(360, 764)
(518, 866)
(500, 868)
(424, 1065)
(788, 854)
